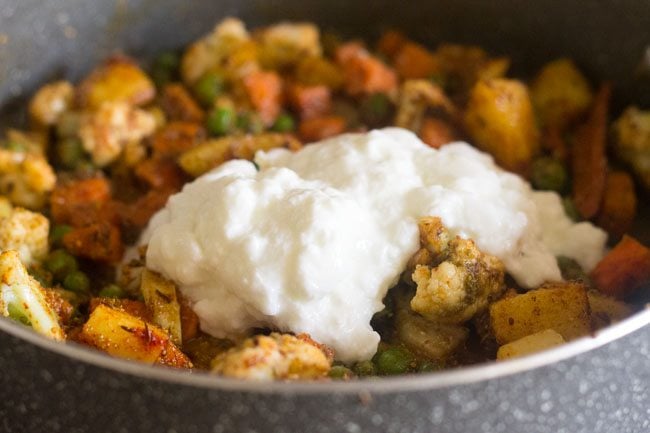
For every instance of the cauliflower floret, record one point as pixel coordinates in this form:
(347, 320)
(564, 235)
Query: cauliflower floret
(23, 298)
(223, 48)
(25, 178)
(632, 142)
(277, 356)
(107, 131)
(416, 96)
(25, 232)
(50, 101)
(460, 285)
(285, 44)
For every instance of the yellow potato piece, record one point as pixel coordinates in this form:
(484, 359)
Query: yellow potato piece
(530, 344)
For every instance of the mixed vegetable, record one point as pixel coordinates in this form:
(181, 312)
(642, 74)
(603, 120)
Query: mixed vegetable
(101, 157)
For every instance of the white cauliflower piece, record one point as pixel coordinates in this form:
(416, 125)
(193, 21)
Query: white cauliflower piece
(22, 297)
(459, 283)
(26, 233)
(106, 132)
(277, 356)
(214, 50)
(25, 178)
(286, 44)
(50, 101)
(632, 144)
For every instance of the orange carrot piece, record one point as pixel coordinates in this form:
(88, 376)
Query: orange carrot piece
(177, 137)
(178, 104)
(625, 269)
(160, 173)
(589, 161)
(138, 213)
(414, 61)
(390, 42)
(309, 101)
(319, 128)
(77, 203)
(264, 90)
(436, 133)
(362, 72)
(100, 241)
(618, 208)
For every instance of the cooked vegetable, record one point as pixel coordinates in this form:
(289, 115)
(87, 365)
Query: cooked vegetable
(625, 269)
(548, 174)
(589, 162)
(160, 296)
(319, 128)
(208, 87)
(77, 282)
(563, 307)
(412, 60)
(51, 100)
(606, 310)
(618, 208)
(60, 264)
(632, 143)
(394, 360)
(25, 178)
(220, 121)
(26, 298)
(533, 343)
(362, 72)
(499, 118)
(25, 232)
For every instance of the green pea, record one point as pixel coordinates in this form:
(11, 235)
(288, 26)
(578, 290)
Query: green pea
(220, 121)
(375, 109)
(57, 232)
(250, 122)
(208, 87)
(60, 263)
(15, 146)
(69, 152)
(549, 174)
(76, 281)
(394, 360)
(284, 123)
(112, 291)
(364, 368)
(570, 269)
(165, 68)
(570, 209)
(340, 372)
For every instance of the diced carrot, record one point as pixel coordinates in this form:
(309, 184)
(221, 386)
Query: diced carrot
(177, 137)
(589, 161)
(309, 101)
(264, 90)
(100, 241)
(135, 308)
(138, 213)
(319, 128)
(436, 132)
(414, 61)
(160, 173)
(362, 72)
(178, 104)
(625, 269)
(390, 42)
(618, 208)
(189, 320)
(77, 203)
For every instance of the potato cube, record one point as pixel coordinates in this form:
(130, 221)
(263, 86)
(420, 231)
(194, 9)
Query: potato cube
(160, 296)
(530, 344)
(563, 307)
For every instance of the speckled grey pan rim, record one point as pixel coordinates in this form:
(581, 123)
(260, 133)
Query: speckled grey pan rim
(464, 375)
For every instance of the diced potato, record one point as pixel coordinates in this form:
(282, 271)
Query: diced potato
(560, 93)
(285, 44)
(563, 307)
(536, 342)
(606, 310)
(22, 294)
(118, 80)
(160, 296)
(277, 356)
(499, 119)
(123, 335)
(51, 100)
(210, 154)
(25, 232)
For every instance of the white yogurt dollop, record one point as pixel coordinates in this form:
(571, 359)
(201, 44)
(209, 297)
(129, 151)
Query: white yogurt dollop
(312, 241)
